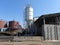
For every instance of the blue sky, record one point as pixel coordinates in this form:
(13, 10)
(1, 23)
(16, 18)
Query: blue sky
(14, 9)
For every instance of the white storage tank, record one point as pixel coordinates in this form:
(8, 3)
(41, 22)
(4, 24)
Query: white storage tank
(28, 15)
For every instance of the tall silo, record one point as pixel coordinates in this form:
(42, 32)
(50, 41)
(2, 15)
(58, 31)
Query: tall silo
(28, 14)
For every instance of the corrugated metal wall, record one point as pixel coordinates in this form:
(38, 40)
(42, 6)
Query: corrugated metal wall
(51, 32)
(58, 27)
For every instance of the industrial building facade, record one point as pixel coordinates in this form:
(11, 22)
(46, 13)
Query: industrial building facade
(48, 26)
(12, 28)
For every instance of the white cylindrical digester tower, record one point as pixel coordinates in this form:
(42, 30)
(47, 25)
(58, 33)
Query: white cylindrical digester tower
(28, 15)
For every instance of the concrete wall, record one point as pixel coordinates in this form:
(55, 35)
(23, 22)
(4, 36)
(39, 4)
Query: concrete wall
(27, 40)
(32, 40)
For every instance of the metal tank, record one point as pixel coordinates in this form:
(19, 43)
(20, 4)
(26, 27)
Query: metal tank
(28, 15)
(2, 24)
